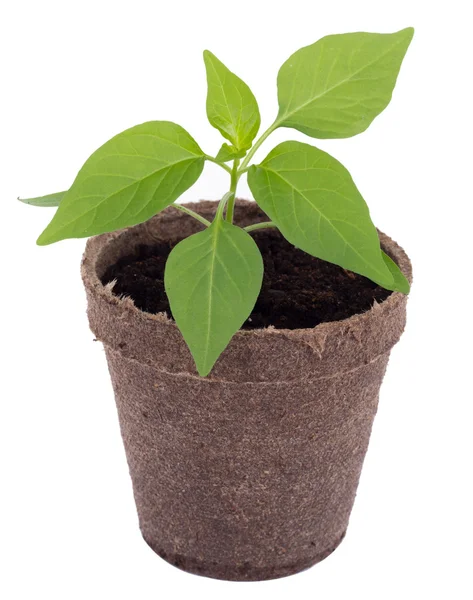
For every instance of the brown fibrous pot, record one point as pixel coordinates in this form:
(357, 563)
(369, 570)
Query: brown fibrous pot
(249, 473)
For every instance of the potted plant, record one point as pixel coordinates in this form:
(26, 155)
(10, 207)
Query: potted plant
(246, 341)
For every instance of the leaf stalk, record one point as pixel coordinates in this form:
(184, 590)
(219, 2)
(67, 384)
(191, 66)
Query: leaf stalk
(193, 214)
(233, 186)
(222, 204)
(215, 161)
(264, 225)
(256, 145)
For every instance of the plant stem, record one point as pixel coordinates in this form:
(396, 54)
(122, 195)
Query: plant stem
(241, 171)
(233, 186)
(221, 206)
(256, 145)
(225, 167)
(235, 174)
(256, 226)
(193, 214)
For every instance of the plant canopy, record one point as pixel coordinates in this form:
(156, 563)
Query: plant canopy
(333, 88)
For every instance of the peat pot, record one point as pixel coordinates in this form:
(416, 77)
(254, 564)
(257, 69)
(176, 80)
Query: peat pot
(249, 473)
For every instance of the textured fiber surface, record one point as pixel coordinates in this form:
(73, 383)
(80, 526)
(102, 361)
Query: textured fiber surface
(250, 473)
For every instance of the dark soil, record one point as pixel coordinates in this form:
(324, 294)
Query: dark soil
(298, 291)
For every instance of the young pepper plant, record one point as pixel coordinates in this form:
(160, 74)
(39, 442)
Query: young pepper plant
(333, 88)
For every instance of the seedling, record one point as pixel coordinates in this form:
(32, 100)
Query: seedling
(331, 89)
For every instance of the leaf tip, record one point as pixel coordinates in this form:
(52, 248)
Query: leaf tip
(40, 241)
(45, 238)
(400, 284)
(407, 32)
(26, 201)
(203, 371)
(403, 286)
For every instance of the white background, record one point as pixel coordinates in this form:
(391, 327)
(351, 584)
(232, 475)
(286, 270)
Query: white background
(73, 74)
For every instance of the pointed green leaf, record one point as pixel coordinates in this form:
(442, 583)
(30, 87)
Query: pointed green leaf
(315, 204)
(337, 86)
(212, 280)
(129, 179)
(49, 200)
(227, 153)
(400, 282)
(231, 105)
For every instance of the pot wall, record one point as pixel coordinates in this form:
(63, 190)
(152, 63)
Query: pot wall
(250, 473)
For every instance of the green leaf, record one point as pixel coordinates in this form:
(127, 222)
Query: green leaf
(231, 106)
(400, 282)
(49, 200)
(212, 280)
(315, 204)
(337, 86)
(227, 153)
(129, 179)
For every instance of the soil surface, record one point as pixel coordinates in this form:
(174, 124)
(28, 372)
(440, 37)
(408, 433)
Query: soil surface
(299, 291)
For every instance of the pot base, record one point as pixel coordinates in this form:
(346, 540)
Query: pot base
(241, 572)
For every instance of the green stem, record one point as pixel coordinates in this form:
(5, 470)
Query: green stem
(193, 214)
(256, 145)
(224, 167)
(221, 206)
(233, 187)
(256, 226)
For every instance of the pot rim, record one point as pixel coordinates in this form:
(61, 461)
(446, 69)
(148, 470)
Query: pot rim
(318, 350)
